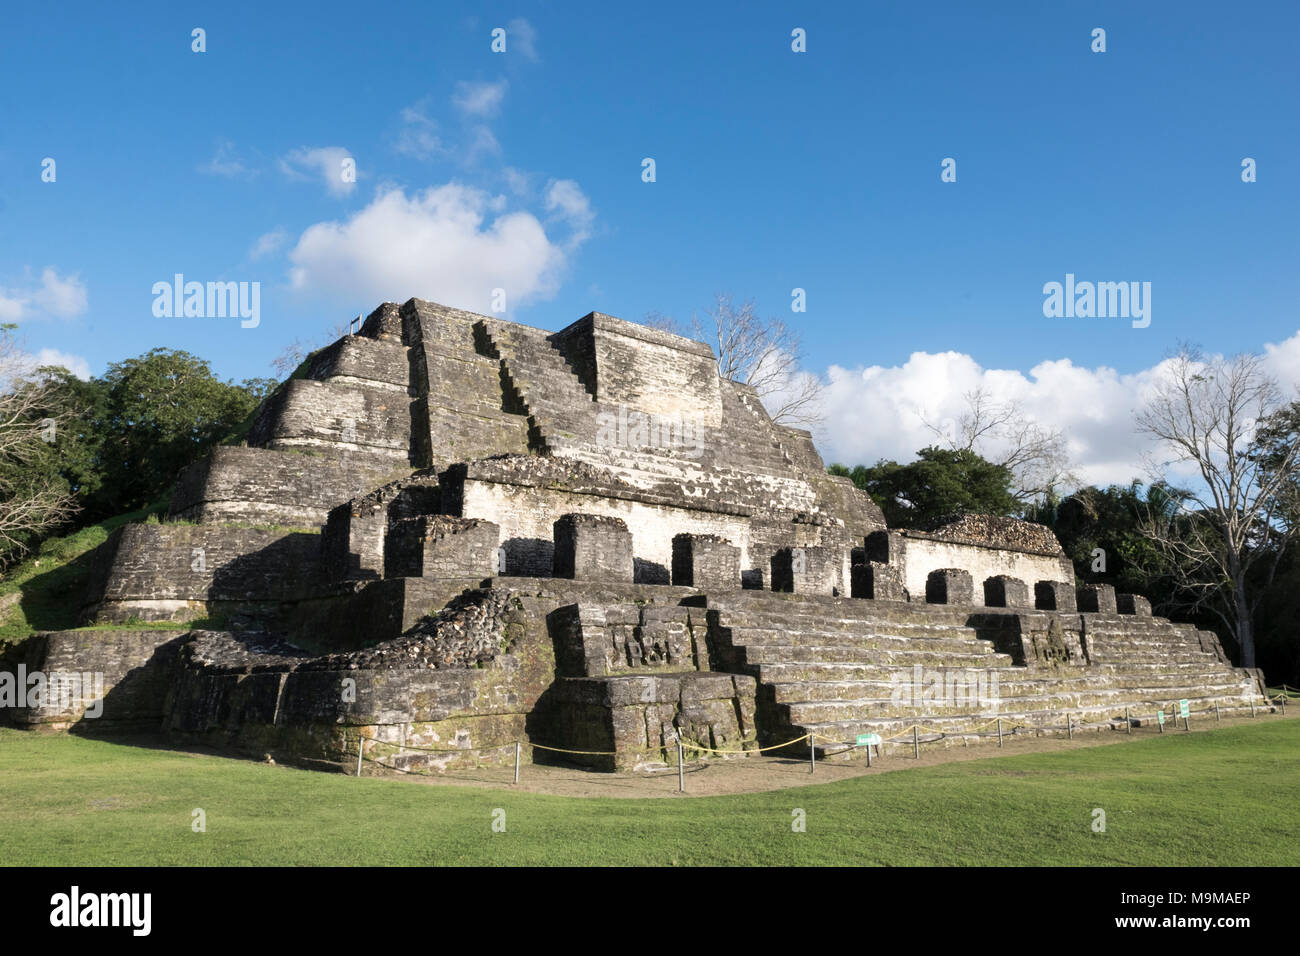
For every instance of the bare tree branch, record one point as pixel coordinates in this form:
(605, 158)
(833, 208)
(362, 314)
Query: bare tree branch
(1003, 433)
(1207, 413)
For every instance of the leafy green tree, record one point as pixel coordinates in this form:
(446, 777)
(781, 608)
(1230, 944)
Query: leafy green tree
(941, 483)
(161, 411)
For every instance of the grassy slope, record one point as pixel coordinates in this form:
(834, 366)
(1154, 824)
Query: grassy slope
(1215, 797)
(53, 579)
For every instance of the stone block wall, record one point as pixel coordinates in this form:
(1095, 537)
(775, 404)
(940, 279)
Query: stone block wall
(949, 586)
(159, 572)
(640, 717)
(647, 370)
(705, 562)
(592, 548)
(525, 510)
(1055, 596)
(1002, 590)
(598, 640)
(364, 361)
(1133, 604)
(337, 416)
(807, 570)
(441, 546)
(96, 678)
(290, 488)
(919, 553)
(1098, 599)
(878, 582)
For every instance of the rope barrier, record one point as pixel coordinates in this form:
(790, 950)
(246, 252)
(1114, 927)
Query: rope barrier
(1008, 726)
(688, 746)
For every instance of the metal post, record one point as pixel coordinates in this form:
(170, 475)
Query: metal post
(1284, 705)
(1217, 718)
(517, 748)
(1069, 727)
(361, 743)
(1128, 724)
(999, 731)
(916, 741)
(681, 768)
(812, 753)
(1252, 707)
(1187, 721)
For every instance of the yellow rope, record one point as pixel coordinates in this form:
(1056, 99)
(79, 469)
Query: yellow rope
(755, 750)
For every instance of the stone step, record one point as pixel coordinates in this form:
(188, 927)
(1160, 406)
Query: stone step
(1178, 657)
(1138, 642)
(1138, 667)
(757, 637)
(1009, 687)
(1039, 722)
(793, 672)
(974, 656)
(800, 713)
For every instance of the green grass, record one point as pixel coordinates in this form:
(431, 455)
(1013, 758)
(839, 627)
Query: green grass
(1222, 797)
(53, 580)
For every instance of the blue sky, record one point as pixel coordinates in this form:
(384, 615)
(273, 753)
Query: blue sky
(774, 170)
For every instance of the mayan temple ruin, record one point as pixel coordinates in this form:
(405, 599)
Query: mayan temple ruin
(447, 532)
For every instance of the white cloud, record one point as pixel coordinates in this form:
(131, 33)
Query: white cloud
(479, 99)
(328, 163)
(565, 198)
(54, 295)
(452, 244)
(481, 142)
(516, 181)
(881, 411)
(268, 244)
(75, 364)
(419, 133)
(521, 38)
(225, 162)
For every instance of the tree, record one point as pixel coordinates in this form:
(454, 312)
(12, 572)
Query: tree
(162, 411)
(763, 353)
(1003, 433)
(942, 483)
(1100, 530)
(33, 496)
(1226, 539)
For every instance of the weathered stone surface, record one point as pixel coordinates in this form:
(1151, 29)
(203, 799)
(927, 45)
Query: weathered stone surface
(1133, 604)
(441, 546)
(1054, 596)
(1097, 598)
(96, 677)
(806, 570)
(602, 461)
(879, 582)
(705, 562)
(949, 586)
(1002, 590)
(592, 548)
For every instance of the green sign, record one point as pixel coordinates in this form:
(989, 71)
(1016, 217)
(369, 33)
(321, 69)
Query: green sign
(868, 740)
(1162, 718)
(1183, 709)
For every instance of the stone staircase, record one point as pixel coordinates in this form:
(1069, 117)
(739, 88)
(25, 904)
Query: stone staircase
(840, 667)
(561, 411)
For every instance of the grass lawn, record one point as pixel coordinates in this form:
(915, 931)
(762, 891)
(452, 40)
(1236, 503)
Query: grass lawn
(1217, 797)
